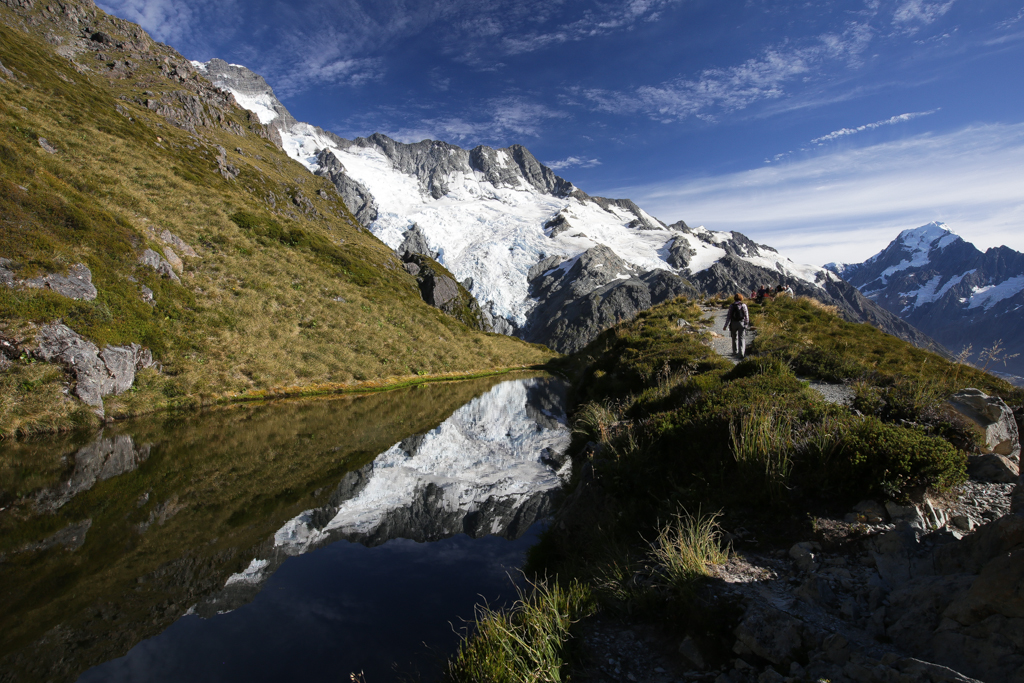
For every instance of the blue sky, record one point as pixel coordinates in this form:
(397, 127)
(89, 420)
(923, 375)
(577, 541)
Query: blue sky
(819, 128)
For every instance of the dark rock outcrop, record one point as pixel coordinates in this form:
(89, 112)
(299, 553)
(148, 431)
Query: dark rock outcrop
(598, 290)
(355, 195)
(439, 289)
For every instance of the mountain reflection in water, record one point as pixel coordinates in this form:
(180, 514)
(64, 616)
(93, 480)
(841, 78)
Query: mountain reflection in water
(107, 541)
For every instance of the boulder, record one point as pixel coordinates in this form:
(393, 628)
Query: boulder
(77, 284)
(174, 260)
(156, 262)
(994, 418)
(97, 373)
(770, 634)
(993, 468)
(178, 243)
(438, 290)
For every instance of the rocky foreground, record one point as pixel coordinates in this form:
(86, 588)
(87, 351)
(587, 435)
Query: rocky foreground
(931, 591)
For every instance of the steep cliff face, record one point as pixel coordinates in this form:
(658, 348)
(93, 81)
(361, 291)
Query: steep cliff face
(962, 297)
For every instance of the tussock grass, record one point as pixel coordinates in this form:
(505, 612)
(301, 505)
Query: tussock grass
(275, 298)
(686, 548)
(762, 444)
(529, 643)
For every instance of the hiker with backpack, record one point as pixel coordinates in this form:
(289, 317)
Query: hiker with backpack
(737, 320)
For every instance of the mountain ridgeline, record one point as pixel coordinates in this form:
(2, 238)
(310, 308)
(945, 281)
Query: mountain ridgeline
(158, 249)
(162, 247)
(960, 296)
(547, 261)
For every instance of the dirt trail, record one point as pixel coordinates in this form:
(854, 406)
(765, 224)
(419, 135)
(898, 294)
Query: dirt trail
(721, 342)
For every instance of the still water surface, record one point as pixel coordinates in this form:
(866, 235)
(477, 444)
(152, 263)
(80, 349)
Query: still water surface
(294, 540)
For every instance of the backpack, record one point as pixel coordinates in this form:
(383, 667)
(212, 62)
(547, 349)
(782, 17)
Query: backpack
(736, 314)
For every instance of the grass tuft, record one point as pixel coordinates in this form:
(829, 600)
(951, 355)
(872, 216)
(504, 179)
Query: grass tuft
(528, 643)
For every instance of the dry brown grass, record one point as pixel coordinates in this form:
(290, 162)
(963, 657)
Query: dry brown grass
(252, 313)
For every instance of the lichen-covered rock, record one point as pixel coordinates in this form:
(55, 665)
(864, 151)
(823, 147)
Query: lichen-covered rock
(173, 259)
(178, 243)
(77, 284)
(156, 262)
(97, 373)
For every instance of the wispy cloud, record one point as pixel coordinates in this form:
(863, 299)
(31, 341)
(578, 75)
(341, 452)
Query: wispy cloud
(913, 13)
(500, 121)
(590, 24)
(166, 20)
(572, 162)
(723, 90)
(844, 132)
(847, 204)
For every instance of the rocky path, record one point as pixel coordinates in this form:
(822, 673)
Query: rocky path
(721, 342)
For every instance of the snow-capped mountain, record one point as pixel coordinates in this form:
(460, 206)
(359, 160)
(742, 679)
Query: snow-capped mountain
(546, 261)
(488, 469)
(946, 287)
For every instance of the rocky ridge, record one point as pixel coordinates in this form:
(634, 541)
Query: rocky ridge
(537, 289)
(951, 291)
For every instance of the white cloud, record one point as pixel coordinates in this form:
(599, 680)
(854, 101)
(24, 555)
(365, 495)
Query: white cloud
(591, 24)
(925, 12)
(166, 20)
(572, 162)
(843, 132)
(846, 205)
(737, 87)
(504, 118)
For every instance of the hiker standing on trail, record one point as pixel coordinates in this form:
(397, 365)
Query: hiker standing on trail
(737, 320)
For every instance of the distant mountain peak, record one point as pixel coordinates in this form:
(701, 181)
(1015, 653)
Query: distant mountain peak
(943, 285)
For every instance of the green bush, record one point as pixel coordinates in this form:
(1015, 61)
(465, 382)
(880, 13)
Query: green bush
(889, 459)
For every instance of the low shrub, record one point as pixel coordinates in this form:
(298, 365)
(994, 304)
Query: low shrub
(889, 460)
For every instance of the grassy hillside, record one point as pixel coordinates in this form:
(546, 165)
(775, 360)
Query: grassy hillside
(286, 289)
(671, 440)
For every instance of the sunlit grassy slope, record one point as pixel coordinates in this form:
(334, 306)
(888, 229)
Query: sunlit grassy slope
(286, 288)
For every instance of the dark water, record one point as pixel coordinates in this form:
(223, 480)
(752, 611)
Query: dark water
(297, 540)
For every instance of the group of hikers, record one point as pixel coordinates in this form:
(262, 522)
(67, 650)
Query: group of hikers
(766, 292)
(737, 320)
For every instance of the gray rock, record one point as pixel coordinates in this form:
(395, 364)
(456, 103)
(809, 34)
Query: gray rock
(97, 374)
(173, 260)
(45, 144)
(411, 268)
(994, 418)
(803, 554)
(769, 633)
(680, 252)
(557, 225)
(77, 284)
(415, 242)
(147, 295)
(438, 290)
(178, 243)
(907, 513)
(156, 262)
(689, 649)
